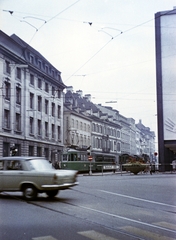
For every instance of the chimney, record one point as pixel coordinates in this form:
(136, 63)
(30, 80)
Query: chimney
(88, 97)
(79, 92)
(69, 88)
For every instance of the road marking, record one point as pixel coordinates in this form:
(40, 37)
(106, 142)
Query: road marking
(167, 225)
(44, 238)
(145, 234)
(96, 235)
(128, 219)
(140, 199)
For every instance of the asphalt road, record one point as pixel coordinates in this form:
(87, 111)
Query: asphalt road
(104, 207)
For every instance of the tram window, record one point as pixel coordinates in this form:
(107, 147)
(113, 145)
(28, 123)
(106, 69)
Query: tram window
(64, 157)
(79, 157)
(72, 157)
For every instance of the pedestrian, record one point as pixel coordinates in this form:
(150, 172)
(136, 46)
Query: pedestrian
(150, 168)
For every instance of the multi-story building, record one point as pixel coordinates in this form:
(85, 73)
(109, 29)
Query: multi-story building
(77, 128)
(104, 133)
(145, 140)
(165, 34)
(111, 133)
(31, 100)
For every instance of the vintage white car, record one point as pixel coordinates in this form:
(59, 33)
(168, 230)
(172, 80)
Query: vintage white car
(33, 175)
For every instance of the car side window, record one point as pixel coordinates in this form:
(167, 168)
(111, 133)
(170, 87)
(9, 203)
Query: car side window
(14, 165)
(1, 165)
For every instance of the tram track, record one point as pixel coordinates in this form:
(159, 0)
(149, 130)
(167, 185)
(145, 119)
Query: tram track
(93, 222)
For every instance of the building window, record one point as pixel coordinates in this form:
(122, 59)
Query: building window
(18, 95)
(46, 69)
(32, 79)
(52, 73)
(46, 87)
(53, 109)
(40, 83)
(85, 140)
(39, 152)
(81, 139)
(31, 124)
(53, 91)
(39, 103)
(6, 119)
(118, 147)
(81, 125)
(118, 134)
(77, 125)
(39, 127)
(88, 141)
(31, 150)
(31, 59)
(88, 126)
(7, 90)
(46, 129)
(58, 111)
(46, 106)
(58, 132)
(40, 64)
(31, 100)
(46, 153)
(72, 123)
(53, 130)
(18, 122)
(7, 64)
(18, 73)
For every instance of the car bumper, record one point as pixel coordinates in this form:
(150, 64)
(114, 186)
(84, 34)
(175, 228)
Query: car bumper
(59, 187)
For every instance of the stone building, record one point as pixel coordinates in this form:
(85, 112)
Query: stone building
(31, 101)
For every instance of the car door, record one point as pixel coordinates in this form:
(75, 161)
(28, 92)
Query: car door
(13, 175)
(1, 174)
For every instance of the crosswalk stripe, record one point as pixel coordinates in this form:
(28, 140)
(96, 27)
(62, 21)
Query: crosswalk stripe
(145, 234)
(166, 225)
(44, 238)
(96, 235)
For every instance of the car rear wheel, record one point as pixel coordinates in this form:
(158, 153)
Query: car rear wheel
(29, 192)
(52, 193)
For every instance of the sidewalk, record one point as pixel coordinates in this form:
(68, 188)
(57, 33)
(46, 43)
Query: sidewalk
(124, 173)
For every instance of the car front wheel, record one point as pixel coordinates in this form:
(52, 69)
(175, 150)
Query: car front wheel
(29, 192)
(52, 193)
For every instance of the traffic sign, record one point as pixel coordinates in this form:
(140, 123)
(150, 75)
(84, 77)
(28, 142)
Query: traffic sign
(90, 158)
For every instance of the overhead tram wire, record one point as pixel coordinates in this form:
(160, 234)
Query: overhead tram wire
(130, 29)
(45, 22)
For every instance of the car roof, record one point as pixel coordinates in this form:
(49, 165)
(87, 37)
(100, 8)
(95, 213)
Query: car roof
(22, 158)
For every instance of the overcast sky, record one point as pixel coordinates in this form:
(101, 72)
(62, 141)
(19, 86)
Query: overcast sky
(105, 48)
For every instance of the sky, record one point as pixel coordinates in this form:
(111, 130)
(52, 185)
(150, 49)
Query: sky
(105, 48)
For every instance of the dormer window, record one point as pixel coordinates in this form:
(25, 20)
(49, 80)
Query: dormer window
(40, 64)
(32, 59)
(46, 69)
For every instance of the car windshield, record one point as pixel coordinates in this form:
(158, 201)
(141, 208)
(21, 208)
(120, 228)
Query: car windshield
(40, 165)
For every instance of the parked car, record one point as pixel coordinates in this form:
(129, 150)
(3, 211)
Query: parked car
(33, 175)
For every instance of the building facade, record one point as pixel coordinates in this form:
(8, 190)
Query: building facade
(111, 133)
(31, 99)
(165, 38)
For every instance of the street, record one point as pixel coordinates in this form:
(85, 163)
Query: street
(101, 207)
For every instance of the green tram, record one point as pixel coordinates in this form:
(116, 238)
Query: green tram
(80, 160)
